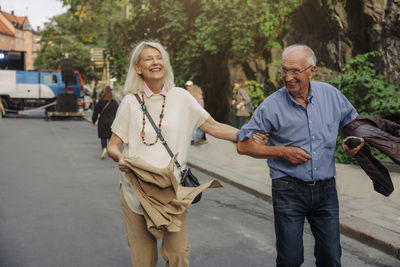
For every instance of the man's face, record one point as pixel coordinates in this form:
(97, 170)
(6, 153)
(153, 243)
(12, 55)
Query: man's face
(296, 73)
(188, 87)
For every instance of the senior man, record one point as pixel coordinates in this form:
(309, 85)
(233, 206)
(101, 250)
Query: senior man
(302, 120)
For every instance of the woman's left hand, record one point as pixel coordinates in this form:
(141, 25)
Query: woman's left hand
(261, 138)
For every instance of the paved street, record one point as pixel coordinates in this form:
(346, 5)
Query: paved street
(59, 206)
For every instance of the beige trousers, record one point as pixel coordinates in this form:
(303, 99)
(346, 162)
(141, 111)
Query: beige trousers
(143, 245)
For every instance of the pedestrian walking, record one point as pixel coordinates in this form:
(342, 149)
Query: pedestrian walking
(302, 119)
(199, 136)
(240, 99)
(177, 114)
(106, 108)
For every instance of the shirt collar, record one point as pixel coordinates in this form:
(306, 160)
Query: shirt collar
(149, 93)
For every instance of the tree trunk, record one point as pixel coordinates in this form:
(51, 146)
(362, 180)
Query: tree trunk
(268, 86)
(249, 72)
(214, 79)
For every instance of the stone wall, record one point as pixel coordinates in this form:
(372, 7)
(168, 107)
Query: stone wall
(338, 30)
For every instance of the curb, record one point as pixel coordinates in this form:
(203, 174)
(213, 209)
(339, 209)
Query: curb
(367, 233)
(372, 235)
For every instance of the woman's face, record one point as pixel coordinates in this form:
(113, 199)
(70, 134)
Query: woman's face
(151, 65)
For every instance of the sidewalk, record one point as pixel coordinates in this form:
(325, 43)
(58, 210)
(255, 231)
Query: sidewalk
(365, 215)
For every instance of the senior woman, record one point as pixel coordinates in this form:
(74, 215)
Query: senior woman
(176, 114)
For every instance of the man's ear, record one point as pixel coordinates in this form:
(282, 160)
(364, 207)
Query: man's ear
(313, 70)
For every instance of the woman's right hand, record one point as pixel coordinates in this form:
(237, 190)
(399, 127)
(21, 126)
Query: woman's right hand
(122, 164)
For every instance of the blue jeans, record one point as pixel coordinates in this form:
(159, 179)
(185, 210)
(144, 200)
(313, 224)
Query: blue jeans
(292, 203)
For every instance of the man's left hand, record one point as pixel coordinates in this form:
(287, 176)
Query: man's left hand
(352, 151)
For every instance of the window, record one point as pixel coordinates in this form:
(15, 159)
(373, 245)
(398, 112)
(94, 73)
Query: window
(49, 78)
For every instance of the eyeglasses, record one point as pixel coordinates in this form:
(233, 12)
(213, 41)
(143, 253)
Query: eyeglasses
(285, 72)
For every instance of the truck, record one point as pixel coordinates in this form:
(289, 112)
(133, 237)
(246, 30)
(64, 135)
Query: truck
(20, 90)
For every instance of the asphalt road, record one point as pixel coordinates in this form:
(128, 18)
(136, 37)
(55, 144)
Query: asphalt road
(59, 206)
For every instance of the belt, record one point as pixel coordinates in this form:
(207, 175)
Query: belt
(310, 183)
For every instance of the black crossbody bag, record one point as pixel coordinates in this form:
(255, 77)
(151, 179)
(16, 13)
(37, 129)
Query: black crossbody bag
(187, 177)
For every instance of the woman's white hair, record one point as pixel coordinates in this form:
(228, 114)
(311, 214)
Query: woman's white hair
(134, 82)
(311, 59)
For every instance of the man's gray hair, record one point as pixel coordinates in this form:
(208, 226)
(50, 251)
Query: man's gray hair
(311, 59)
(134, 82)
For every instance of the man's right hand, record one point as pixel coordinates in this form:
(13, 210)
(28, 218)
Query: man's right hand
(295, 155)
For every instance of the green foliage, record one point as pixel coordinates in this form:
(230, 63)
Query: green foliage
(194, 31)
(91, 20)
(201, 36)
(256, 92)
(368, 91)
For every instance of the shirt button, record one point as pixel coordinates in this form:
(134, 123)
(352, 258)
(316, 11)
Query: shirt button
(315, 169)
(314, 152)
(313, 137)
(310, 121)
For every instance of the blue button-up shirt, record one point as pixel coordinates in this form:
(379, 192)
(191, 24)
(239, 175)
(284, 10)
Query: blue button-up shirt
(313, 129)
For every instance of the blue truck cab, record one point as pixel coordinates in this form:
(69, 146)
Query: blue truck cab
(20, 89)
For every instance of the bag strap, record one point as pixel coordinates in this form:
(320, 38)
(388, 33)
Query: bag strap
(108, 103)
(159, 134)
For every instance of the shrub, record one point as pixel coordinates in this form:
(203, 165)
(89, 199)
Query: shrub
(255, 91)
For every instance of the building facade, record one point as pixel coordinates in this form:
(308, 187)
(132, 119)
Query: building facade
(16, 34)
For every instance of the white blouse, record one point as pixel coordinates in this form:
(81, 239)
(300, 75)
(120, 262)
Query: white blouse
(182, 114)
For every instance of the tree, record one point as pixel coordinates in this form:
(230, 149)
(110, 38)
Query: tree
(202, 37)
(55, 47)
(85, 25)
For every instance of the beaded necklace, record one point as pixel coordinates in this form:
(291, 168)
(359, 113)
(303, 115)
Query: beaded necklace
(142, 134)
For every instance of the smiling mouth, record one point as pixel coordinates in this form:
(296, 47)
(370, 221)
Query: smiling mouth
(291, 84)
(155, 70)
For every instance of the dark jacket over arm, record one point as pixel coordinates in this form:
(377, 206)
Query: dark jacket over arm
(383, 135)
